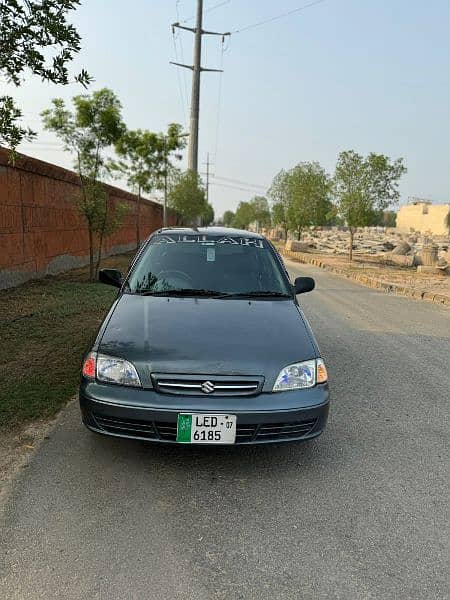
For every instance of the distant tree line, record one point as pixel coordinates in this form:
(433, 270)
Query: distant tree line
(358, 194)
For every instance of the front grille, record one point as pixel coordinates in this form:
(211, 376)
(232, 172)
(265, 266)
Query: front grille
(167, 431)
(207, 385)
(279, 431)
(129, 427)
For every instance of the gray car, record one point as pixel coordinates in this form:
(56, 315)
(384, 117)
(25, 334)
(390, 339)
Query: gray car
(205, 344)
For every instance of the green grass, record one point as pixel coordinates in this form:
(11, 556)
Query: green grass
(45, 327)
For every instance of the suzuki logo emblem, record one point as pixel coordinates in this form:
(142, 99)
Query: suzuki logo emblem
(207, 387)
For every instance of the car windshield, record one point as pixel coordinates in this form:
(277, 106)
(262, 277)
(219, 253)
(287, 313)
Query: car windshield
(208, 266)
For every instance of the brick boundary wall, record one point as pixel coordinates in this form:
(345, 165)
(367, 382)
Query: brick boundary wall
(41, 230)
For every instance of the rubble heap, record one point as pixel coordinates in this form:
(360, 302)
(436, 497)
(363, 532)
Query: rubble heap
(385, 245)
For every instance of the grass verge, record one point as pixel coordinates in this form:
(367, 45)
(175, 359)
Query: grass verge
(45, 327)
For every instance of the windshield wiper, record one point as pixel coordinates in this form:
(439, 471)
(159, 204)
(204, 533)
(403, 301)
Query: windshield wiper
(257, 294)
(180, 292)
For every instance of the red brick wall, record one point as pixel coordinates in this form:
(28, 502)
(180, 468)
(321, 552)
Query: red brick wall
(41, 230)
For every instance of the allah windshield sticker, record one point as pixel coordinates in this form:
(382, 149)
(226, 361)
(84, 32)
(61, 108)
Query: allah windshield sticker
(203, 239)
(210, 254)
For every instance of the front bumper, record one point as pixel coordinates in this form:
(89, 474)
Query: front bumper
(152, 416)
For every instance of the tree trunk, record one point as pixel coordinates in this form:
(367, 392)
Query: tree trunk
(285, 234)
(352, 233)
(299, 233)
(138, 220)
(91, 254)
(99, 255)
(100, 238)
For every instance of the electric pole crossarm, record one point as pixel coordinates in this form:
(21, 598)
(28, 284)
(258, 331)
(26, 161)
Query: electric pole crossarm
(215, 33)
(203, 31)
(183, 27)
(181, 65)
(192, 68)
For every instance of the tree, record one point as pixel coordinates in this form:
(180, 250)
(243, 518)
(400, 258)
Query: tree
(188, 197)
(364, 186)
(309, 189)
(168, 174)
(144, 158)
(244, 215)
(87, 133)
(34, 36)
(261, 211)
(137, 151)
(208, 215)
(385, 218)
(280, 197)
(228, 218)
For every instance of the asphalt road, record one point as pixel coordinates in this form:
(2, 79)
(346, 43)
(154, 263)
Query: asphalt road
(360, 513)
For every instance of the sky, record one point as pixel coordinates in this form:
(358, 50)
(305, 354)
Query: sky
(339, 75)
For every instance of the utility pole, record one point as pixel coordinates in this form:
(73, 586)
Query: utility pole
(195, 97)
(196, 69)
(208, 164)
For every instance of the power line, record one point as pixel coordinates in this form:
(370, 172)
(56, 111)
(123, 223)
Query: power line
(184, 98)
(211, 8)
(180, 41)
(235, 187)
(277, 17)
(229, 180)
(219, 101)
(180, 89)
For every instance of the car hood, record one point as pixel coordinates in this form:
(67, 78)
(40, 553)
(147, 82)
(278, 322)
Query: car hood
(208, 336)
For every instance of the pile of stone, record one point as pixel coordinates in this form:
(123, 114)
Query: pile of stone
(429, 254)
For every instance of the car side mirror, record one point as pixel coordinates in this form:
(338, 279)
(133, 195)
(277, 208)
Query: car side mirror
(110, 277)
(304, 284)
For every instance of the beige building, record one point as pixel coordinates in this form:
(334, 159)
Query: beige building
(423, 217)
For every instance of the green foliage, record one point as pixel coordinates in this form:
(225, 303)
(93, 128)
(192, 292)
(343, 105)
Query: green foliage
(187, 197)
(144, 160)
(310, 189)
(364, 186)
(301, 197)
(244, 215)
(138, 152)
(279, 195)
(36, 37)
(11, 131)
(385, 218)
(255, 211)
(88, 132)
(228, 218)
(261, 211)
(208, 215)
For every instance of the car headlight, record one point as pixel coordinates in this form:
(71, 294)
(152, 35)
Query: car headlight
(110, 369)
(301, 375)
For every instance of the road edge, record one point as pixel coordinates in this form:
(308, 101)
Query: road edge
(19, 447)
(368, 281)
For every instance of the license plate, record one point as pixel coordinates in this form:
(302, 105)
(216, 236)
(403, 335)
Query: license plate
(206, 429)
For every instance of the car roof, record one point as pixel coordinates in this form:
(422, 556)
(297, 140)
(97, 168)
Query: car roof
(211, 231)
